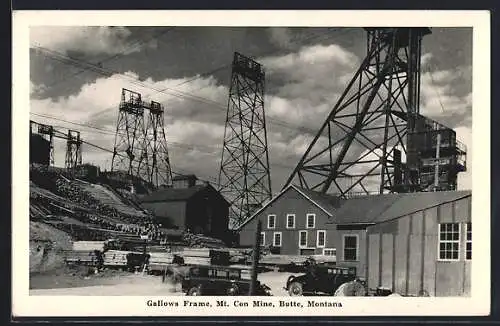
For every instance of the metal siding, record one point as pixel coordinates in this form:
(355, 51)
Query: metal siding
(417, 223)
(401, 260)
(387, 261)
(373, 260)
(449, 278)
(415, 262)
(467, 278)
(431, 221)
(430, 258)
(461, 210)
(446, 213)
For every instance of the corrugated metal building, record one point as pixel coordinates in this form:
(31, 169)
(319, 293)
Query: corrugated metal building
(414, 244)
(198, 208)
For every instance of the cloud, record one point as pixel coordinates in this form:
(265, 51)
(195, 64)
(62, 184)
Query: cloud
(90, 40)
(280, 36)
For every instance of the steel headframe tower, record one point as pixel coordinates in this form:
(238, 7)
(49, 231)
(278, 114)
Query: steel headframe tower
(360, 146)
(47, 132)
(155, 147)
(128, 153)
(73, 150)
(141, 145)
(244, 177)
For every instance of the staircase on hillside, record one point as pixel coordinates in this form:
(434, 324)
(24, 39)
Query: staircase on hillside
(109, 198)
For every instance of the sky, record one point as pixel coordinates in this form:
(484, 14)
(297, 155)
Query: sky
(187, 69)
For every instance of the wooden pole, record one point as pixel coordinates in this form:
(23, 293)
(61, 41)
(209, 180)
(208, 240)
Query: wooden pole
(255, 260)
(436, 171)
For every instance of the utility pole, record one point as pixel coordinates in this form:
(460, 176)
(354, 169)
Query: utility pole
(436, 171)
(255, 259)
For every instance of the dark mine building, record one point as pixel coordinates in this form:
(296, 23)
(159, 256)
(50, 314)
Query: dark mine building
(189, 205)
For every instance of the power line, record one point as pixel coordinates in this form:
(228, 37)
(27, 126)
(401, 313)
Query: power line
(109, 132)
(57, 56)
(132, 46)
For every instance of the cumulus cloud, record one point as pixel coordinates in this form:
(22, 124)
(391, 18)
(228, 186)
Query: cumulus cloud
(85, 39)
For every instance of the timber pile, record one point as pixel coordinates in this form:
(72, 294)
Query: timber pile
(205, 256)
(272, 259)
(116, 258)
(158, 260)
(88, 245)
(88, 257)
(201, 241)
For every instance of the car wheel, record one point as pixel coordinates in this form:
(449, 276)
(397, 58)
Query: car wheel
(194, 291)
(295, 289)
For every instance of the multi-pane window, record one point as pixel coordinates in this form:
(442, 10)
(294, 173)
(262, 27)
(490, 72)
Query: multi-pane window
(350, 247)
(468, 242)
(321, 239)
(271, 221)
(290, 221)
(277, 239)
(449, 241)
(262, 238)
(330, 252)
(303, 239)
(310, 221)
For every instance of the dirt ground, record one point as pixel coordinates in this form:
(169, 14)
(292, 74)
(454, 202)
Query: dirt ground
(126, 284)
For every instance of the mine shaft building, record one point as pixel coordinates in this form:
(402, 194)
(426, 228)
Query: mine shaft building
(190, 206)
(412, 243)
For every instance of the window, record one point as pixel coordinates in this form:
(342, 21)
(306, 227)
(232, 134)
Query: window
(351, 247)
(262, 238)
(468, 242)
(321, 239)
(290, 221)
(449, 241)
(310, 221)
(271, 221)
(303, 239)
(330, 252)
(277, 239)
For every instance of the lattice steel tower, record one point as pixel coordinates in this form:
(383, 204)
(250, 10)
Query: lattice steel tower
(47, 133)
(376, 124)
(73, 150)
(244, 177)
(140, 142)
(130, 135)
(155, 147)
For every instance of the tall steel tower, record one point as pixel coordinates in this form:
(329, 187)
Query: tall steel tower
(73, 150)
(244, 177)
(374, 139)
(130, 135)
(155, 147)
(140, 141)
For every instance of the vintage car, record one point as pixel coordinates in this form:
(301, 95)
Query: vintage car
(326, 279)
(220, 280)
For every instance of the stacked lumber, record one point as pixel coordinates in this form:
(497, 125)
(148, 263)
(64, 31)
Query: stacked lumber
(88, 245)
(272, 259)
(116, 258)
(88, 257)
(205, 256)
(201, 241)
(324, 258)
(158, 260)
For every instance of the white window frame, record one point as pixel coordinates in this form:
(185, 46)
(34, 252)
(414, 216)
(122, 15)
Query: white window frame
(300, 245)
(357, 246)
(317, 239)
(268, 219)
(274, 239)
(290, 227)
(263, 235)
(468, 241)
(307, 221)
(333, 249)
(448, 241)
